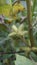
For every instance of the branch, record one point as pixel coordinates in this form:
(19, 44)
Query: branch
(23, 49)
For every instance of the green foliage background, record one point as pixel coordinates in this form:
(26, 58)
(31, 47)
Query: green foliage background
(14, 44)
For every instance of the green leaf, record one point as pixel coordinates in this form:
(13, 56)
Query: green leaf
(34, 56)
(1, 63)
(3, 32)
(6, 56)
(21, 60)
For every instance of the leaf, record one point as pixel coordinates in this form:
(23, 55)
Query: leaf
(34, 56)
(34, 4)
(5, 10)
(1, 63)
(6, 56)
(14, 28)
(3, 32)
(21, 60)
(21, 27)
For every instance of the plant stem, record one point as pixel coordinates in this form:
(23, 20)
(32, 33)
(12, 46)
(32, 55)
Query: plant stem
(29, 16)
(22, 50)
(25, 42)
(29, 49)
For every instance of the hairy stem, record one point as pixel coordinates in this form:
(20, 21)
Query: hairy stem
(29, 15)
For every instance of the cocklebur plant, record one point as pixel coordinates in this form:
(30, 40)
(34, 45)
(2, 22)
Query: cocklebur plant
(18, 31)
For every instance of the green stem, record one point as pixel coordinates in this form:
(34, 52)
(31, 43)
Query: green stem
(29, 16)
(24, 40)
(28, 49)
